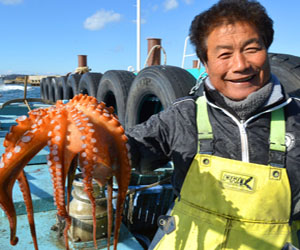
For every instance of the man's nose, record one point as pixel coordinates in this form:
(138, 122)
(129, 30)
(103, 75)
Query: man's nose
(240, 63)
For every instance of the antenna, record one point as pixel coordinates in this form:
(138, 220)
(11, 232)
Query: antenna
(138, 35)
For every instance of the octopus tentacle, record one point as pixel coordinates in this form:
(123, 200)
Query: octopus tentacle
(24, 124)
(83, 127)
(25, 148)
(104, 115)
(87, 158)
(88, 188)
(118, 151)
(109, 210)
(123, 178)
(24, 186)
(7, 205)
(56, 157)
(71, 177)
(17, 131)
(52, 170)
(122, 172)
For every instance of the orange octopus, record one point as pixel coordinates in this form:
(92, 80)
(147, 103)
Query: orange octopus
(82, 127)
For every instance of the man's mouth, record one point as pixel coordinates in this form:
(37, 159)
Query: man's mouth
(244, 79)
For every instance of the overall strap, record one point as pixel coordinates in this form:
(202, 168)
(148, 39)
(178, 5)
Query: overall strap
(205, 135)
(277, 139)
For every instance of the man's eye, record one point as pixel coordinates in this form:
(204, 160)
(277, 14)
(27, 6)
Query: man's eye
(224, 55)
(252, 49)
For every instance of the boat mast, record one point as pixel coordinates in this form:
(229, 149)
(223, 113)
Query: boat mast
(138, 35)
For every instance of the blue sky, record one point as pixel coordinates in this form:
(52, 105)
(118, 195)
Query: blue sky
(45, 36)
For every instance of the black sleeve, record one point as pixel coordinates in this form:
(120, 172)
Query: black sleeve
(168, 135)
(149, 145)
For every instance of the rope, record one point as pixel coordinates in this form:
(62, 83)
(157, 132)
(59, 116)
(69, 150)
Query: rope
(163, 181)
(82, 70)
(27, 104)
(152, 49)
(200, 80)
(130, 208)
(132, 192)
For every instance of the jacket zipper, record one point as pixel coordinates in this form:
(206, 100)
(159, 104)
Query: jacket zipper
(243, 124)
(244, 141)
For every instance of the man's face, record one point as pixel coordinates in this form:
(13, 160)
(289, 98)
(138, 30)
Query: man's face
(237, 60)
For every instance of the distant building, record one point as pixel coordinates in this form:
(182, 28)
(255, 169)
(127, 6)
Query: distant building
(32, 79)
(11, 81)
(35, 80)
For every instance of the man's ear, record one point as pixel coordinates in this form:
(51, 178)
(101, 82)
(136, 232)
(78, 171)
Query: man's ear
(206, 67)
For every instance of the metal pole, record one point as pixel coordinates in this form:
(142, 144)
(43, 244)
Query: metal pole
(154, 58)
(82, 60)
(195, 64)
(25, 92)
(184, 51)
(25, 86)
(138, 35)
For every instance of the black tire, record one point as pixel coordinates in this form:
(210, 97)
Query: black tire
(42, 88)
(47, 87)
(287, 69)
(154, 89)
(51, 89)
(89, 83)
(70, 89)
(113, 90)
(57, 87)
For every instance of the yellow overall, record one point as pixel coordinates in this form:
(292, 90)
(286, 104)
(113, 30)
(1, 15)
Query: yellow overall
(230, 204)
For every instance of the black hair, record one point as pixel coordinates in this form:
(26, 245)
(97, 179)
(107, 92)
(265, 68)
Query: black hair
(229, 12)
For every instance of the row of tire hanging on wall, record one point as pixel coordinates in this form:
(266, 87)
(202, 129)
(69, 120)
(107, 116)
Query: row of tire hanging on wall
(131, 94)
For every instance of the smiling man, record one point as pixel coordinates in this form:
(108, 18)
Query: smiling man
(237, 60)
(236, 180)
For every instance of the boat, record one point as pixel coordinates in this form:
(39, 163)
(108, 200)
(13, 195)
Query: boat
(150, 195)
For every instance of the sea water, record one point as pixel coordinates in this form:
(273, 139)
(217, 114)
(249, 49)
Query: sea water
(14, 91)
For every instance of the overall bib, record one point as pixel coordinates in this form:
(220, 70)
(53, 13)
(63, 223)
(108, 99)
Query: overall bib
(230, 204)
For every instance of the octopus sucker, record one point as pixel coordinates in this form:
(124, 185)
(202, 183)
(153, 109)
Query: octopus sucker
(81, 128)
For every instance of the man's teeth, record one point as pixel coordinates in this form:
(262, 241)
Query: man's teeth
(243, 80)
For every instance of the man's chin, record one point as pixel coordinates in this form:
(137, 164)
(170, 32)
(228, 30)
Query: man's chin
(235, 95)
